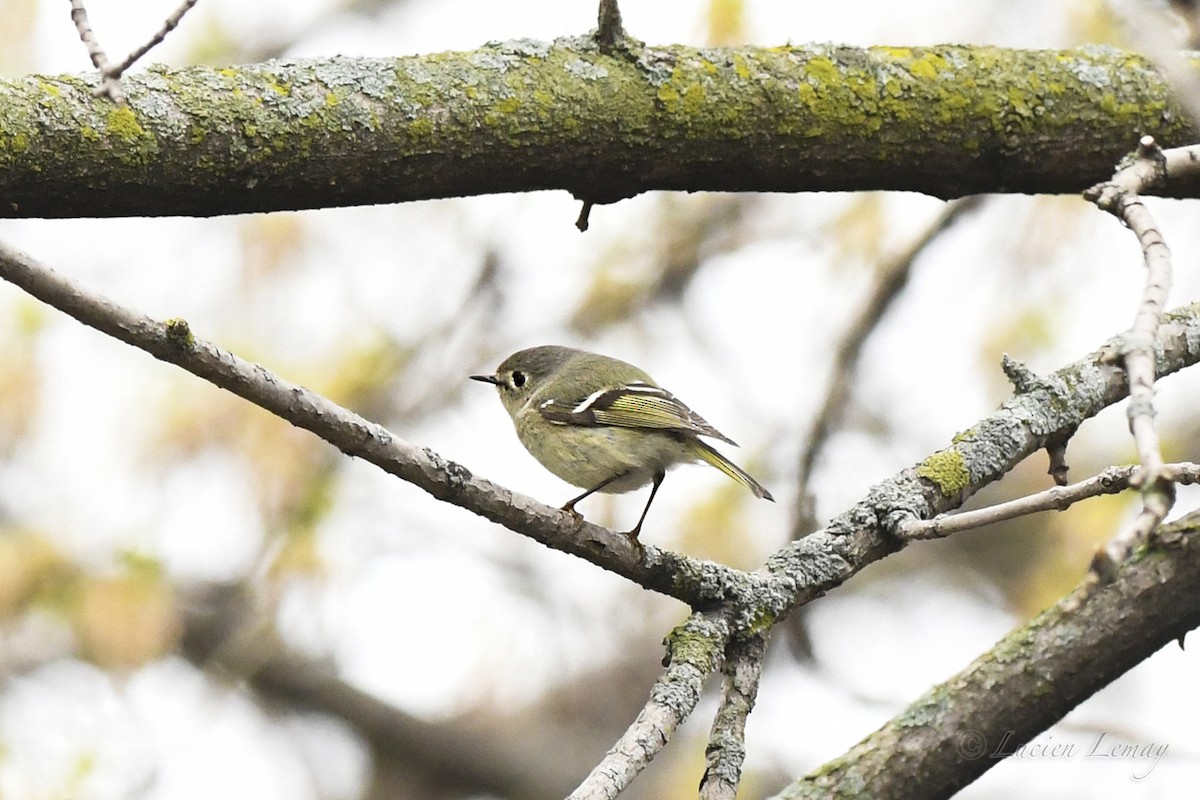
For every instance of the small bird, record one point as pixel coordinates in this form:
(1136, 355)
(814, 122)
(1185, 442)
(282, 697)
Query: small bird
(602, 424)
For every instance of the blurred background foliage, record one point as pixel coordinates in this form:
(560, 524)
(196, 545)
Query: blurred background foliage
(197, 599)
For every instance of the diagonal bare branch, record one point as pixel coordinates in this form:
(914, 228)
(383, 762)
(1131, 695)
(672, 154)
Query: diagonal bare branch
(172, 341)
(694, 650)
(727, 740)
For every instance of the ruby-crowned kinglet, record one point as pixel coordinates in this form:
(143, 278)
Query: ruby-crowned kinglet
(602, 424)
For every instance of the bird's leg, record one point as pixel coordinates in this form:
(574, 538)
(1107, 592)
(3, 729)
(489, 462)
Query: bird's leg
(658, 479)
(570, 505)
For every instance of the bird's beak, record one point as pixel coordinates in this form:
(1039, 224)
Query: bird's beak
(492, 379)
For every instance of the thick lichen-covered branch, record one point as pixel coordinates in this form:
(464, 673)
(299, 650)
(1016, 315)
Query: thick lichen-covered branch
(527, 115)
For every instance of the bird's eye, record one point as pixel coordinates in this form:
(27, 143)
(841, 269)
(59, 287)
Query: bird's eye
(518, 379)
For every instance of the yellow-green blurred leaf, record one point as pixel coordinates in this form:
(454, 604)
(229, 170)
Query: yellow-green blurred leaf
(29, 565)
(714, 528)
(726, 22)
(210, 41)
(125, 621)
(17, 21)
(271, 245)
(860, 230)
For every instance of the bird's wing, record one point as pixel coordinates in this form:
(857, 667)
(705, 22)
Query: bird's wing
(634, 405)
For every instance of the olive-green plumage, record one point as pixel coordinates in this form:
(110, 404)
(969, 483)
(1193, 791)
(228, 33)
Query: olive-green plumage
(602, 424)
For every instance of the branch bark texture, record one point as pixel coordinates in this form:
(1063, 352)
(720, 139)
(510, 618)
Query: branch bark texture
(528, 115)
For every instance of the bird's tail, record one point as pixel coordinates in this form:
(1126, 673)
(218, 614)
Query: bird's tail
(709, 455)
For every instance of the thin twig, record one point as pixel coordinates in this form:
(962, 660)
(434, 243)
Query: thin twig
(109, 86)
(1181, 163)
(584, 218)
(1058, 498)
(168, 25)
(890, 280)
(727, 740)
(1120, 196)
(79, 16)
(609, 30)
(110, 74)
